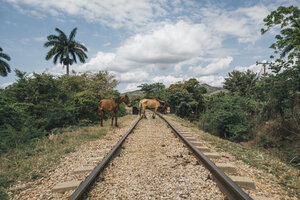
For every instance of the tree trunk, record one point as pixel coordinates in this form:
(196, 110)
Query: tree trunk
(67, 69)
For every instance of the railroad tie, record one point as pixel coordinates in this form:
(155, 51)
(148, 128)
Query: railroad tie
(212, 155)
(227, 168)
(261, 198)
(198, 143)
(190, 138)
(187, 134)
(95, 159)
(83, 169)
(203, 148)
(243, 182)
(65, 186)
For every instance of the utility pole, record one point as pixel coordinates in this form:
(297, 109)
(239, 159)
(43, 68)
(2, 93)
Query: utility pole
(264, 64)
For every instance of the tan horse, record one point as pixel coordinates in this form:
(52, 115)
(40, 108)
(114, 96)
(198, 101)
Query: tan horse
(150, 103)
(111, 105)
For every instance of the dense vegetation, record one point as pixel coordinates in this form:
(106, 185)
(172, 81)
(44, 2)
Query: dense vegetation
(260, 109)
(39, 104)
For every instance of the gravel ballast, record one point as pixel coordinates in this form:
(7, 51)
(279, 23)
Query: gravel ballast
(154, 164)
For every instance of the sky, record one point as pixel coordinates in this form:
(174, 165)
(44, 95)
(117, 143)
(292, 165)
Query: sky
(142, 41)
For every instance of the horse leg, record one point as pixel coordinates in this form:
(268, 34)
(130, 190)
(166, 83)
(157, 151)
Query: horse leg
(112, 118)
(116, 118)
(101, 117)
(144, 110)
(154, 112)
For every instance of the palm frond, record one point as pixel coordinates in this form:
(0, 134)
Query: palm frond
(55, 58)
(81, 55)
(4, 68)
(5, 56)
(51, 53)
(74, 56)
(52, 37)
(51, 43)
(72, 34)
(61, 33)
(81, 46)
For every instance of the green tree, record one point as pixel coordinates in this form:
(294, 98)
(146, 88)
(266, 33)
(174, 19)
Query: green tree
(288, 41)
(66, 49)
(153, 90)
(242, 83)
(282, 88)
(4, 66)
(226, 116)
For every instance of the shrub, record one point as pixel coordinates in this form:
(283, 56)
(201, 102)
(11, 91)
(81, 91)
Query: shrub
(265, 142)
(226, 117)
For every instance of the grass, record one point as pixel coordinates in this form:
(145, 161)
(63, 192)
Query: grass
(29, 162)
(287, 175)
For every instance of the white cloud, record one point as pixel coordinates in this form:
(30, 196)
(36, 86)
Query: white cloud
(131, 77)
(107, 44)
(40, 39)
(217, 66)
(116, 13)
(244, 23)
(259, 69)
(170, 44)
(166, 80)
(255, 68)
(4, 85)
(212, 80)
(131, 87)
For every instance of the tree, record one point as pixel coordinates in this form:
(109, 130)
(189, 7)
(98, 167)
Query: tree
(153, 90)
(64, 48)
(288, 41)
(242, 83)
(283, 86)
(4, 67)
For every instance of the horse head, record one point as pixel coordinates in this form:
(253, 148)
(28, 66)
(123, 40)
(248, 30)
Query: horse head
(162, 104)
(126, 100)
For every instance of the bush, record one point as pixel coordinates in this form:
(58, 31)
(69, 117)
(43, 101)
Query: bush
(226, 117)
(86, 105)
(265, 142)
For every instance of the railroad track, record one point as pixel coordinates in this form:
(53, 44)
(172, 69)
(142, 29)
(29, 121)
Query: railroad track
(199, 177)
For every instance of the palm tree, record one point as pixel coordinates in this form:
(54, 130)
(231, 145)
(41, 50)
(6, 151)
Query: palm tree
(4, 67)
(65, 48)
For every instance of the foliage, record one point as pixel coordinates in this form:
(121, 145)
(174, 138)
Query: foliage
(288, 41)
(34, 106)
(152, 91)
(265, 142)
(242, 83)
(283, 85)
(226, 116)
(64, 48)
(4, 66)
(186, 98)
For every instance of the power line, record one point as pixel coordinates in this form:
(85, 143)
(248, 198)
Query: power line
(264, 65)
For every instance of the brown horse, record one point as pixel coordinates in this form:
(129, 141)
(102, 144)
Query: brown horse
(150, 103)
(111, 105)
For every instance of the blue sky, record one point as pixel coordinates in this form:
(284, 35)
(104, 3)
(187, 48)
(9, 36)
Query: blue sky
(141, 41)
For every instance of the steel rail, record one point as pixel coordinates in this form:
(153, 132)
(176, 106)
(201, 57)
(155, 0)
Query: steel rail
(82, 188)
(227, 186)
